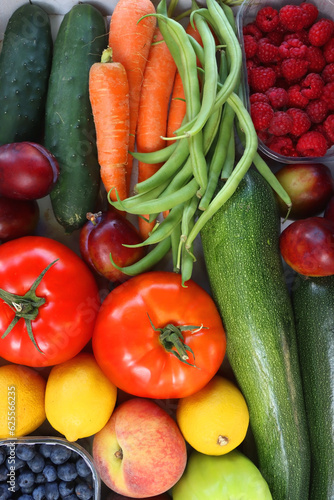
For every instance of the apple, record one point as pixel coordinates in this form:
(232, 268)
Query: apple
(140, 452)
(309, 185)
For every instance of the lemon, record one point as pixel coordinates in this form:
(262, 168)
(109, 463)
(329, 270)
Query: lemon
(215, 419)
(22, 392)
(79, 398)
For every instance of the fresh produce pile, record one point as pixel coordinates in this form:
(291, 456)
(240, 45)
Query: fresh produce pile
(134, 130)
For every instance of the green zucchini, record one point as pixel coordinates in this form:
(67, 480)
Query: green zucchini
(241, 253)
(25, 63)
(69, 128)
(313, 303)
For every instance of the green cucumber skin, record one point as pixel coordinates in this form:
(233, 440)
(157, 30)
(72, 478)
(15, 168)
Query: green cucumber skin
(313, 303)
(247, 282)
(70, 130)
(25, 63)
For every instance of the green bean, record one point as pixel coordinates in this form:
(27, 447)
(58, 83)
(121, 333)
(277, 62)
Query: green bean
(199, 51)
(230, 158)
(175, 240)
(125, 205)
(159, 156)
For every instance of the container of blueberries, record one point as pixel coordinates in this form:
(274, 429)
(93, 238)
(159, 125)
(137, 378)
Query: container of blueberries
(50, 468)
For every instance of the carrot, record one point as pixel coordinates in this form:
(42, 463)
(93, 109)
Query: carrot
(130, 40)
(153, 110)
(109, 97)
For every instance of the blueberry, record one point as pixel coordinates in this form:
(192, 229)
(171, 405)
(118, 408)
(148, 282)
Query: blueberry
(3, 473)
(72, 496)
(39, 492)
(3, 455)
(67, 472)
(28, 490)
(5, 493)
(60, 454)
(37, 463)
(84, 491)
(14, 463)
(26, 478)
(45, 450)
(25, 496)
(25, 451)
(40, 478)
(82, 467)
(66, 488)
(52, 491)
(50, 473)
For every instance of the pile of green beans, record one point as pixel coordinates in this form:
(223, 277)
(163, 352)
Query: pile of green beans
(204, 154)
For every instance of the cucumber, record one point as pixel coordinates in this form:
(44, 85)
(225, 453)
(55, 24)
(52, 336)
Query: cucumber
(25, 63)
(313, 303)
(69, 127)
(241, 253)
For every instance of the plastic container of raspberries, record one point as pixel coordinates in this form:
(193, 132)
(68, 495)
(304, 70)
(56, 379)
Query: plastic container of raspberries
(288, 77)
(45, 464)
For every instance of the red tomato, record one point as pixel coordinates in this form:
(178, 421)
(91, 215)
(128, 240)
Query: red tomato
(131, 351)
(307, 246)
(70, 301)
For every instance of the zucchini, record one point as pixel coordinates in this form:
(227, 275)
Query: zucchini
(245, 271)
(313, 303)
(69, 128)
(25, 63)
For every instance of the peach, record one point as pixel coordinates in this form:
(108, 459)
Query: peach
(140, 452)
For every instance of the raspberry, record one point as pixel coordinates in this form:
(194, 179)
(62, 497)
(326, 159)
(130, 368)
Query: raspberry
(317, 110)
(328, 95)
(296, 98)
(312, 144)
(301, 121)
(250, 64)
(258, 97)
(321, 32)
(292, 17)
(293, 48)
(319, 127)
(253, 30)
(280, 124)
(267, 19)
(294, 69)
(301, 35)
(312, 86)
(277, 67)
(282, 145)
(328, 50)
(267, 52)
(276, 37)
(316, 59)
(310, 13)
(263, 136)
(261, 114)
(328, 73)
(278, 97)
(329, 127)
(250, 46)
(261, 78)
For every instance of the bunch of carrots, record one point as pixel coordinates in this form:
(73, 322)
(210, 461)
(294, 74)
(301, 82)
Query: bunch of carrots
(173, 94)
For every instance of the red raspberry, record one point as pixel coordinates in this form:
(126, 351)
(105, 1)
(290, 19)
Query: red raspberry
(294, 69)
(312, 144)
(263, 136)
(267, 19)
(296, 98)
(301, 35)
(253, 30)
(250, 64)
(250, 46)
(328, 73)
(328, 50)
(316, 59)
(319, 127)
(261, 79)
(278, 97)
(293, 48)
(282, 145)
(328, 95)
(277, 67)
(317, 110)
(310, 13)
(261, 114)
(258, 97)
(280, 124)
(301, 121)
(321, 32)
(312, 86)
(266, 51)
(276, 37)
(329, 127)
(292, 17)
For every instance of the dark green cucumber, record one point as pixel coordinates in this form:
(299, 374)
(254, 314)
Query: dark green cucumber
(69, 128)
(247, 282)
(25, 63)
(313, 303)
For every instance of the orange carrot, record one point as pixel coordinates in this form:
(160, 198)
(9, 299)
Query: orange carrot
(153, 110)
(130, 40)
(109, 97)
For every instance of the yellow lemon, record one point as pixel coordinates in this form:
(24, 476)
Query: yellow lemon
(79, 398)
(22, 392)
(215, 419)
